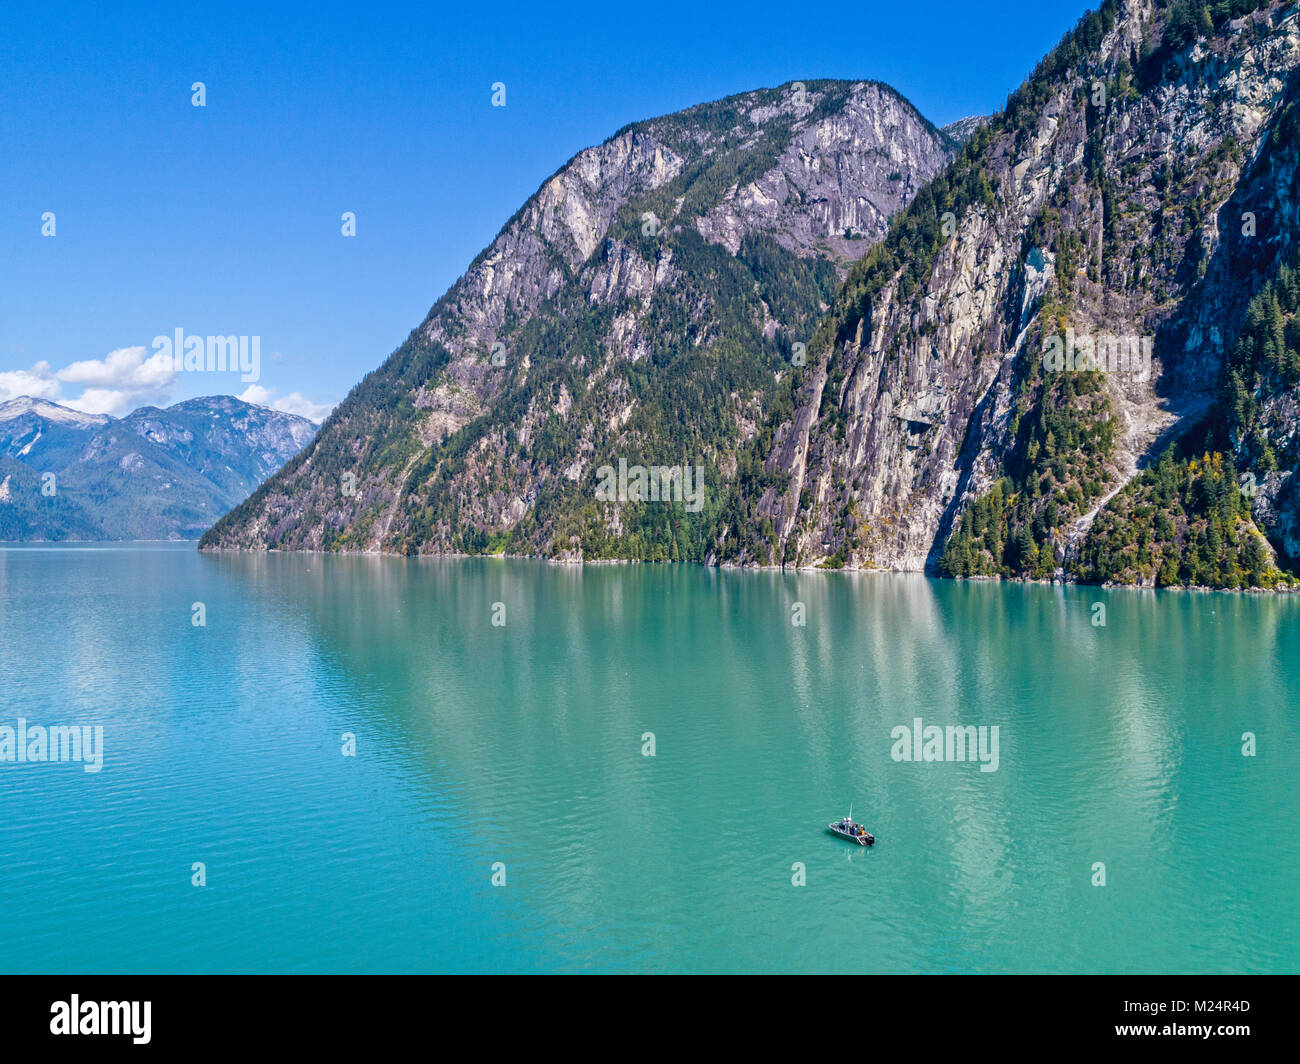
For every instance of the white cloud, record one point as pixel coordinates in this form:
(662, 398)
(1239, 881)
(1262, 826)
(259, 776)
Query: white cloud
(121, 381)
(127, 378)
(297, 403)
(293, 403)
(38, 382)
(257, 395)
(127, 368)
(104, 401)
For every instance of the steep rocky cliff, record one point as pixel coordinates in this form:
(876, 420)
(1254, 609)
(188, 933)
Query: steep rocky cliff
(980, 392)
(644, 306)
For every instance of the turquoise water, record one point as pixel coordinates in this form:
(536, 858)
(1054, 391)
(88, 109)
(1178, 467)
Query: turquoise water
(522, 744)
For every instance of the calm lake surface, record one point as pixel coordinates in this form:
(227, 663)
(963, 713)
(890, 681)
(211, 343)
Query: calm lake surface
(523, 744)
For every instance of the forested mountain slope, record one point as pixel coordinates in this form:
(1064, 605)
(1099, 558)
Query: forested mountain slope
(1133, 198)
(643, 305)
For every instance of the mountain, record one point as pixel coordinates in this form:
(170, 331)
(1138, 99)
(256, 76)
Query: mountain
(647, 304)
(964, 128)
(25, 411)
(153, 474)
(37, 428)
(1135, 198)
(1066, 348)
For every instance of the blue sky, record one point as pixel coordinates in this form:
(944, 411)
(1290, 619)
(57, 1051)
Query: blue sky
(225, 219)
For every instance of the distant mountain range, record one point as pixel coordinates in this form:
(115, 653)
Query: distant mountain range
(153, 474)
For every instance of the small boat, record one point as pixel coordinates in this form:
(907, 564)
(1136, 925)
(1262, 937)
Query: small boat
(848, 828)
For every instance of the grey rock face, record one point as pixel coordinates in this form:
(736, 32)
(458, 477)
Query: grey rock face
(838, 181)
(964, 128)
(627, 258)
(912, 416)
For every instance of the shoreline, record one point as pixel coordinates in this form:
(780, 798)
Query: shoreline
(577, 563)
(1284, 589)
